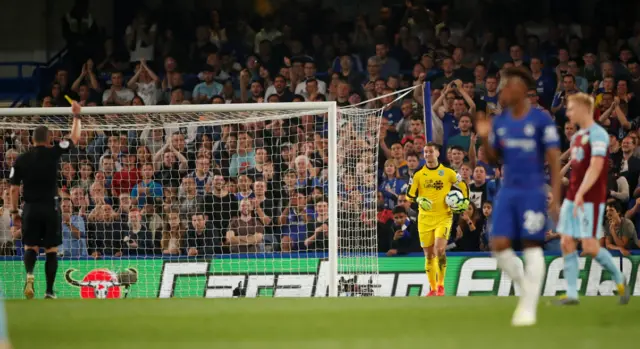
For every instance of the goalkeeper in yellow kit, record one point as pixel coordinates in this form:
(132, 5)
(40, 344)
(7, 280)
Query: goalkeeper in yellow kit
(429, 188)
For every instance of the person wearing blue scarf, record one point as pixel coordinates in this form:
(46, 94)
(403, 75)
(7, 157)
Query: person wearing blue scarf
(391, 185)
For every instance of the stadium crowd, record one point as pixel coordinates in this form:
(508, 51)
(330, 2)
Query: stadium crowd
(261, 187)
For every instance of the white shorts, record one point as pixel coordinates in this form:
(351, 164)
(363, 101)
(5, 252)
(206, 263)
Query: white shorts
(586, 224)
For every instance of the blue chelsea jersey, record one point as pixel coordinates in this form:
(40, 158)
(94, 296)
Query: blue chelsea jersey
(522, 144)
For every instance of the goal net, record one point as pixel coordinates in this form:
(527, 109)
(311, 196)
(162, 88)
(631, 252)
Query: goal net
(227, 200)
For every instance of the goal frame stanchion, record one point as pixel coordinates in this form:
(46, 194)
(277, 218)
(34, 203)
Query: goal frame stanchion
(329, 107)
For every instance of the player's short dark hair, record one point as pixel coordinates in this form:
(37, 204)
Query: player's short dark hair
(399, 209)
(41, 134)
(522, 74)
(457, 147)
(433, 144)
(417, 117)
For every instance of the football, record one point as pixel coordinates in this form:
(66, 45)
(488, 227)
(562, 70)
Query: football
(453, 198)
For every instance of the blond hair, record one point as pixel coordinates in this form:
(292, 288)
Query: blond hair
(583, 99)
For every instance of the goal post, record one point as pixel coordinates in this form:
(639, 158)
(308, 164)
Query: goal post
(340, 150)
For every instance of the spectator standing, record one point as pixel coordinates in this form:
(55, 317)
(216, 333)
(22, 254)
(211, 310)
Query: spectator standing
(125, 179)
(202, 175)
(104, 233)
(200, 238)
(138, 240)
(392, 185)
(140, 37)
(117, 94)
(293, 220)
(319, 228)
(246, 233)
(80, 31)
(448, 74)
(263, 205)
(245, 158)
(145, 83)
(463, 139)
(491, 95)
(244, 188)
(172, 237)
(310, 74)
(545, 85)
(86, 84)
(388, 65)
(280, 89)
(481, 191)
(269, 33)
(204, 91)
(147, 187)
(630, 164)
(220, 204)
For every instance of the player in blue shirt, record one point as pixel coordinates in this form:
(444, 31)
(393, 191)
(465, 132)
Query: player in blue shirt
(522, 137)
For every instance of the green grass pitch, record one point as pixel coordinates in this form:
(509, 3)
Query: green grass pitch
(389, 323)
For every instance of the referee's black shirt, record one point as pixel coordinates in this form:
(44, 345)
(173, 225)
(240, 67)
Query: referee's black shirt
(37, 170)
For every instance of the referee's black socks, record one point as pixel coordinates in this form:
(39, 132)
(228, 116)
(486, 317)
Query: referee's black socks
(30, 257)
(51, 268)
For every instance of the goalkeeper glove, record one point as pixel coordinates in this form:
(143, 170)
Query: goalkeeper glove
(424, 203)
(462, 206)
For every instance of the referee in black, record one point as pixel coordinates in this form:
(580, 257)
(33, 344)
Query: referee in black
(37, 171)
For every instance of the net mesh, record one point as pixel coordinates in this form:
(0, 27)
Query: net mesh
(209, 203)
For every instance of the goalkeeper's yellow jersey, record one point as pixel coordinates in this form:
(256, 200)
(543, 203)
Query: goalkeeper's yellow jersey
(434, 184)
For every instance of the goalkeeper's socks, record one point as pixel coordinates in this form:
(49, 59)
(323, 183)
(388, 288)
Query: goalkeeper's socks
(533, 277)
(432, 272)
(30, 257)
(442, 269)
(508, 261)
(51, 268)
(571, 274)
(606, 260)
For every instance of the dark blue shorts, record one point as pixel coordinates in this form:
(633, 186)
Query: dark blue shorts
(520, 214)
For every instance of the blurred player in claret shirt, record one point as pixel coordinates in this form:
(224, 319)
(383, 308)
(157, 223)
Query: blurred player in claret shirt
(523, 137)
(582, 212)
(429, 187)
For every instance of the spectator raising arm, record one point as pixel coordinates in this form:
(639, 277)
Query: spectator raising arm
(604, 118)
(466, 97)
(621, 117)
(437, 106)
(87, 73)
(630, 214)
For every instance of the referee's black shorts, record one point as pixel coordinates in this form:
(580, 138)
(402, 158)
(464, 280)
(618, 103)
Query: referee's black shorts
(42, 224)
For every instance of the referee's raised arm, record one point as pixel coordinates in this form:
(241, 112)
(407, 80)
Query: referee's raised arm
(76, 128)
